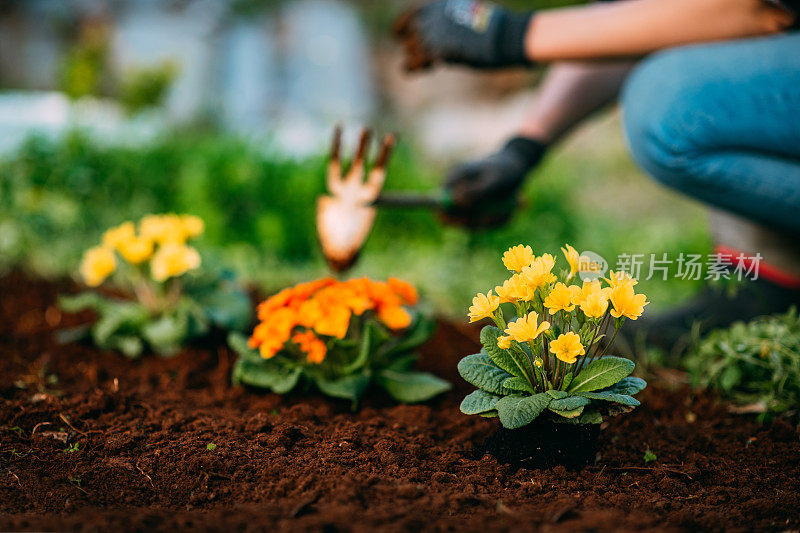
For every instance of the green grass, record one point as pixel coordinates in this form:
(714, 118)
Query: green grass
(57, 197)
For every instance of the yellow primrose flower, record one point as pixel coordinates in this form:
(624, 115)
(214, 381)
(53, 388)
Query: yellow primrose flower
(511, 290)
(567, 347)
(98, 263)
(626, 303)
(539, 273)
(163, 228)
(135, 250)
(193, 226)
(589, 287)
(573, 258)
(561, 298)
(595, 304)
(538, 363)
(504, 342)
(527, 327)
(518, 257)
(113, 237)
(520, 290)
(615, 279)
(483, 306)
(173, 259)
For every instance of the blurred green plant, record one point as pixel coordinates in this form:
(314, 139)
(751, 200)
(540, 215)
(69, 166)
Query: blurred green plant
(755, 364)
(84, 68)
(144, 87)
(173, 300)
(56, 196)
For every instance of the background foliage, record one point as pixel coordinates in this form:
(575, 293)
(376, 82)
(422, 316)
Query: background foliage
(56, 197)
(757, 362)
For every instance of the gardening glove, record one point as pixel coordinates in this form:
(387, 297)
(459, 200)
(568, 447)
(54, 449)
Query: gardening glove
(483, 193)
(470, 32)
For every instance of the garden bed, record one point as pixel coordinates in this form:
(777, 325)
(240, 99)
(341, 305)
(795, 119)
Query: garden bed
(91, 440)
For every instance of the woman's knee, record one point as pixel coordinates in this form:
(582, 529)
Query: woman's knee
(660, 104)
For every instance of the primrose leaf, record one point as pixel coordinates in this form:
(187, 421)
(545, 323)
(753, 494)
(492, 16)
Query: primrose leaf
(518, 384)
(502, 358)
(118, 317)
(228, 307)
(629, 386)
(363, 351)
(569, 403)
(601, 374)
(479, 370)
(557, 394)
(412, 387)
(568, 413)
(82, 301)
(130, 345)
(166, 333)
(238, 344)
(488, 414)
(517, 411)
(567, 380)
(611, 397)
(265, 374)
(348, 387)
(479, 402)
(419, 332)
(588, 416)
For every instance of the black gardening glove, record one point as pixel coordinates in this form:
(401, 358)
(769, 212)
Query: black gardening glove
(484, 193)
(471, 32)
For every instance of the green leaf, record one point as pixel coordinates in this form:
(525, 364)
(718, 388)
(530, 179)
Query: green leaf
(570, 413)
(629, 386)
(730, 378)
(557, 394)
(167, 333)
(479, 370)
(611, 397)
(128, 317)
(586, 417)
(517, 411)
(81, 302)
(518, 384)
(130, 345)
(348, 387)
(419, 332)
(569, 403)
(412, 387)
(478, 402)
(363, 350)
(266, 374)
(238, 344)
(228, 307)
(403, 362)
(502, 358)
(601, 374)
(567, 380)
(488, 414)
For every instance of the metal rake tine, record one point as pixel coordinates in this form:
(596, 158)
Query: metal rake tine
(334, 176)
(356, 172)
(377, 176)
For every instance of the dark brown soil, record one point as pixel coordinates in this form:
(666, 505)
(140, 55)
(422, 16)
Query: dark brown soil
(90, 440)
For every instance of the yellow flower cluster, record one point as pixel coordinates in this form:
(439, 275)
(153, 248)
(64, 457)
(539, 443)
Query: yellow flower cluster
(323, 308)
(535, 289)
(161, 239)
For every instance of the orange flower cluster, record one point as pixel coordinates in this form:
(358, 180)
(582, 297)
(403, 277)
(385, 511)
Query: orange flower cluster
(306, 312)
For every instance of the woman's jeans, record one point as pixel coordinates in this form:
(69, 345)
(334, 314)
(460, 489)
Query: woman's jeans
(721, 123)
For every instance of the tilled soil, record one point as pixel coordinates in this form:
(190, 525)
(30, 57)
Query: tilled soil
(90, 440)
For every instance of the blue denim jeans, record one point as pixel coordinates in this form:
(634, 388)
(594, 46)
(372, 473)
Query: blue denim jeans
(721, 123)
